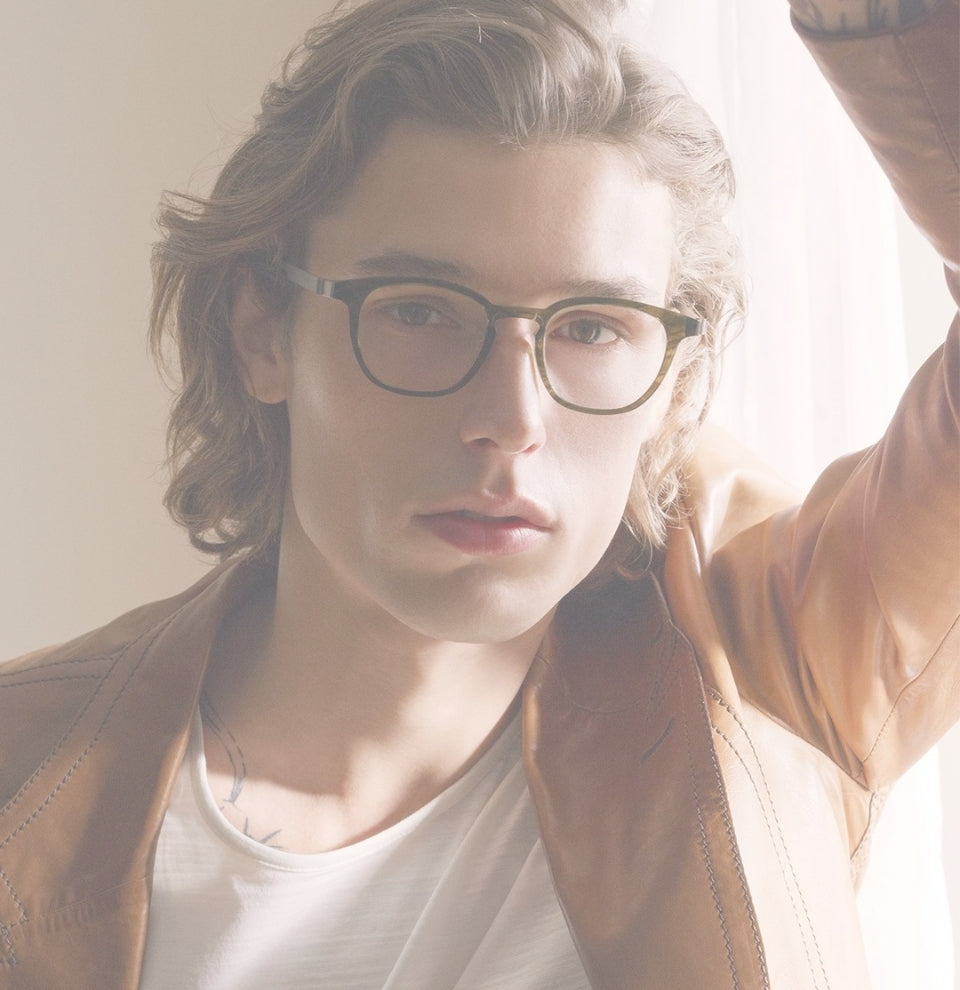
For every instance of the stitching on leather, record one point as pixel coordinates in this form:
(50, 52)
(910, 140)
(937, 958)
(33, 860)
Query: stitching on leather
(156, 632)
(5, 930)
(11, 959)
(11, 954)
(741, 873)
(92, 899)
(705, 849)
(725, 705)
(12, 803)
(13, 894)
(893, 709)
(784, 867)
(43, 664)
(741, 876)
(877, 800)
(52, 680)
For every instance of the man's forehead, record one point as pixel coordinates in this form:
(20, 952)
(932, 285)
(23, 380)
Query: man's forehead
(557, 218)
(409, 146)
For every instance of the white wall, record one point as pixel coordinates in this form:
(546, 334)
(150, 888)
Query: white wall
(106, 103)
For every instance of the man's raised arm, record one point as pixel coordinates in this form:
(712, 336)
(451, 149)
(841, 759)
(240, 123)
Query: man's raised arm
(867, 571)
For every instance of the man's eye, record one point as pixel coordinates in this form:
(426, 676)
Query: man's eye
(587, 330)
(414, 314)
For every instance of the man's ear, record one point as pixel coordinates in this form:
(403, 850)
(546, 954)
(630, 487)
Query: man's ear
(258, 341)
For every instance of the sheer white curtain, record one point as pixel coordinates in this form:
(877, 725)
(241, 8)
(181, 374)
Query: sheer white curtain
(823, 358)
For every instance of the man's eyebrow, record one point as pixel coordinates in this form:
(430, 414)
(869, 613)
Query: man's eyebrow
(612, 288)
(400, 264)
(396, 264)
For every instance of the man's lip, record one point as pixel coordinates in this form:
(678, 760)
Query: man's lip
(522, 511)
(485, 534)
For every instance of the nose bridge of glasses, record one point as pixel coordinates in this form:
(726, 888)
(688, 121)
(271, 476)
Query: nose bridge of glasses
(522, 314)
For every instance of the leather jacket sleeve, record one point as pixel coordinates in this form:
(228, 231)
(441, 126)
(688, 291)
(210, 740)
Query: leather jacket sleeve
(840, 617)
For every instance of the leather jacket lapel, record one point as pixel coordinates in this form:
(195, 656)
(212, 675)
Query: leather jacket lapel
(632, 806)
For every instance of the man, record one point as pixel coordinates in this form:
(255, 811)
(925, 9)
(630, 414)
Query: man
(497, 685)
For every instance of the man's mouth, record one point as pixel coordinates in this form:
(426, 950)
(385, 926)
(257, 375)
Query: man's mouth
(484, 534)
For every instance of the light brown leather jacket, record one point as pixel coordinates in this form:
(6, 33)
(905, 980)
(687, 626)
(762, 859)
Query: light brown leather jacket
(705, 774)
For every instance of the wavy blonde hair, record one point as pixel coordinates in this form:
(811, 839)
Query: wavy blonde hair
(520, 71)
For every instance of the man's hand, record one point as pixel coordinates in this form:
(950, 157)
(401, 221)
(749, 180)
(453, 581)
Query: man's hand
(859, 16)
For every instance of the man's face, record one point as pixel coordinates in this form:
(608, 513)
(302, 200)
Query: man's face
(467, 517)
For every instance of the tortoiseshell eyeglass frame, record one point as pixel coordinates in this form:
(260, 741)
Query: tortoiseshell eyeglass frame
(354, 291)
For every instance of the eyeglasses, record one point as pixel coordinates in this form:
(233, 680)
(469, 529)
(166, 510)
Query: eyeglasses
(428, 337)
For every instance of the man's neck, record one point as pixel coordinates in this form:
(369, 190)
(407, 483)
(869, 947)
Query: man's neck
(326, 722)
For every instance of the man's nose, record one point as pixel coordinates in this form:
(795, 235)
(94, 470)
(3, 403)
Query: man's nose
(504, 402)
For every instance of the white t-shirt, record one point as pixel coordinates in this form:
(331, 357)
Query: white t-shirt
(458, 895)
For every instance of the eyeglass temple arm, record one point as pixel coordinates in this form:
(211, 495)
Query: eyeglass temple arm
(321, 286)
(689, 326)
